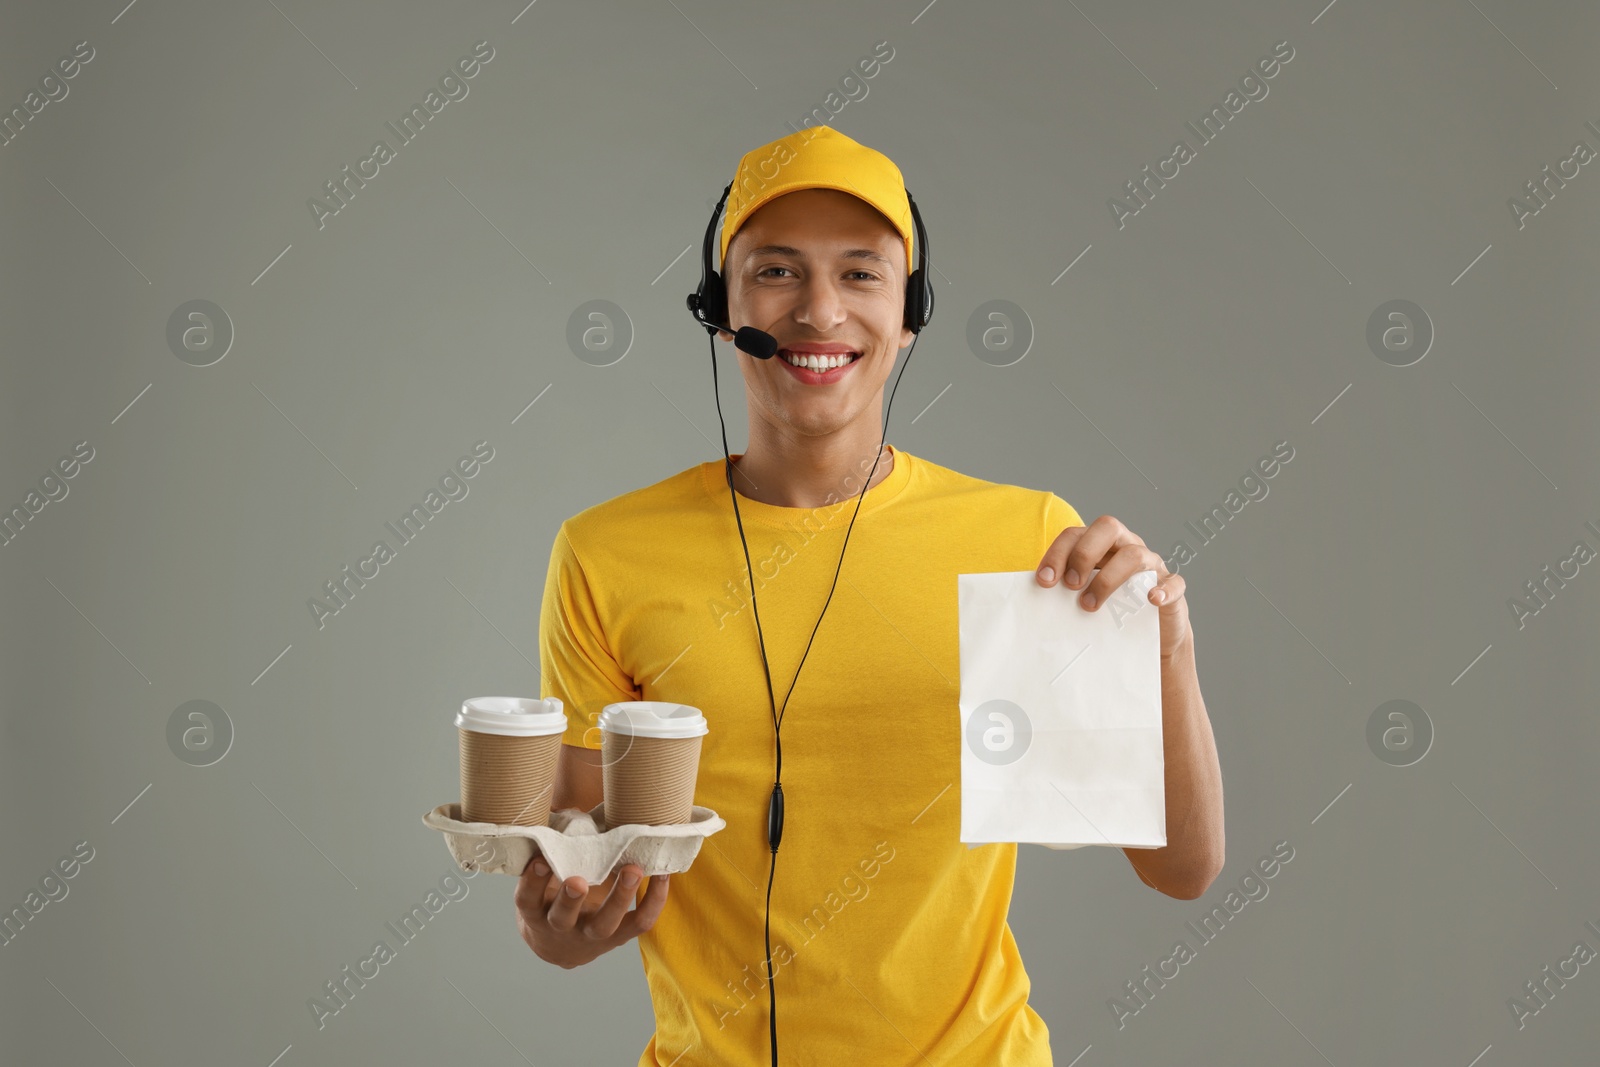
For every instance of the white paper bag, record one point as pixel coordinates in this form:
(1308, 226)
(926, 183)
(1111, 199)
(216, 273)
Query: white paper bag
(1060, 714)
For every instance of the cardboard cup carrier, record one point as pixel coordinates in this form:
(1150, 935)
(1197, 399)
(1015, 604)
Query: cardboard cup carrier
(509, 750)
(650, 756)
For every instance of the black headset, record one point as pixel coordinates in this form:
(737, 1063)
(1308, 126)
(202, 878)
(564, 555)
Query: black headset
(709, 306)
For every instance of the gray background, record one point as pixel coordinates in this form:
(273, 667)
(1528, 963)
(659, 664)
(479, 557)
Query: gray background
(1227, 316)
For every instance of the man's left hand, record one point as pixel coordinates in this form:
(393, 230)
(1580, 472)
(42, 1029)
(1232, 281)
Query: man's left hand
(1119, 554)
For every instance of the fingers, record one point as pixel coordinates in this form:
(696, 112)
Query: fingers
(1127, 561)
(559, 906)
(605, 919)
(1106, 546)
(531, 885)
(1168, 589)
(1054, 564)
(644, 916)
(1078, 550)
(563, 914)
(1102, 542)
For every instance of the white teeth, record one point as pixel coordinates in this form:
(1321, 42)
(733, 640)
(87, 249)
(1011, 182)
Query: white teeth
(815, 362)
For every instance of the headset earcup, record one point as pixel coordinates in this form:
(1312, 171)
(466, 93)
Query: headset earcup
(919, 286)
(714, 299)
(916, 315)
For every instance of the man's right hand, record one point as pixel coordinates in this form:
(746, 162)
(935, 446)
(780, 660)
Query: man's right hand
(571, 923)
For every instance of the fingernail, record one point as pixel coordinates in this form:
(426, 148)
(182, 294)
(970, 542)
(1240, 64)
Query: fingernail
(1160, 596)
(572, 891)
(1088, 601)
(1047, 573)
(630, 879)
(541, 868)
(1073, 578)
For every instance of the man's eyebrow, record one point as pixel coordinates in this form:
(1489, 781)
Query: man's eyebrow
(789, 250)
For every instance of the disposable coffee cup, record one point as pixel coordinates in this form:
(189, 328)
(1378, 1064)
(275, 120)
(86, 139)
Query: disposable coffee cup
(509, 750)
(650, 756)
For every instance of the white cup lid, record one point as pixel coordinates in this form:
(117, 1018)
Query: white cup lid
(653, 718)
(513, 716)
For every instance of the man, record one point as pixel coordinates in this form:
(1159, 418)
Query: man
(889, 936)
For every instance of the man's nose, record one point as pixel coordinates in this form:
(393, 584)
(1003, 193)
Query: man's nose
(820, 306)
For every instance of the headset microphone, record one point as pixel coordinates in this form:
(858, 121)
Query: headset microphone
(747, 339)
(709, 306)
(757, 343)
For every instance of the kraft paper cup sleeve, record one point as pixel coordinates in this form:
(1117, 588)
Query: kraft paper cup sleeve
(575, 842)
(509, 778)
(656, 787)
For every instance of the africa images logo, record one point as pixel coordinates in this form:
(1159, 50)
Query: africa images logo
(1253, 86)
(342, 590)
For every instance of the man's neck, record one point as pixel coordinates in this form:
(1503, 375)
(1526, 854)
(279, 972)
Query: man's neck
(809, 472)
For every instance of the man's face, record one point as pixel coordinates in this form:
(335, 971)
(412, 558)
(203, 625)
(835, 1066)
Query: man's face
(818, 268)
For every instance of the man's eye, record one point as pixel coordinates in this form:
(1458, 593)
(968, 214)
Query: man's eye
(863, 275)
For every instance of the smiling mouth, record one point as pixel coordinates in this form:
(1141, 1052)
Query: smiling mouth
(821, 363)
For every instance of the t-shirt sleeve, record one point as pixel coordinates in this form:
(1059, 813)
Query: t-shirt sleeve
(1058, 515)
(576, 663)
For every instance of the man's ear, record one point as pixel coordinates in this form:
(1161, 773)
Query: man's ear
(724, 335)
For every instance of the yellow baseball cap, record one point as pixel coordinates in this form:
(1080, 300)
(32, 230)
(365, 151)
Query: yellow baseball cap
(818, 157)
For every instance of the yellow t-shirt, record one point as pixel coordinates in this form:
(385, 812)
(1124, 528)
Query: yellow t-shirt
(890, 942)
